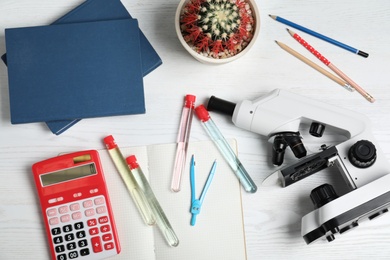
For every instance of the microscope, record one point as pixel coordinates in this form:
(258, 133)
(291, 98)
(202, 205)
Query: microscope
(279, 115)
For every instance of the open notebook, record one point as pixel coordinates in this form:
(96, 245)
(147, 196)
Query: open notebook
(219, 230)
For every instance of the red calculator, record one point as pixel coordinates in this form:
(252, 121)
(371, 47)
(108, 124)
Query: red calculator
(76, 207)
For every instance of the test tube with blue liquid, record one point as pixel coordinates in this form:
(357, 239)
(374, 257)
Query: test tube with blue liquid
(225, 149)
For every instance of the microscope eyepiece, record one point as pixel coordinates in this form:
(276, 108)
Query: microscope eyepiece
(220, 105)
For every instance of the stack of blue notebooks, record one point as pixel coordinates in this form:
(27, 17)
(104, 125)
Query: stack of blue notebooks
(89, 63)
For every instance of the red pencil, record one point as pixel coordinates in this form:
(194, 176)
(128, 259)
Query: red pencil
(332, 66)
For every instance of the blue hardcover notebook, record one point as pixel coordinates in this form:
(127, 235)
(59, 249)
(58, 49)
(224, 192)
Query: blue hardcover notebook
(77, 70)
(95, 10)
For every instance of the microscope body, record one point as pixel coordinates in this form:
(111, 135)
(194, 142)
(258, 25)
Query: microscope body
(279, 115)
(281, 111)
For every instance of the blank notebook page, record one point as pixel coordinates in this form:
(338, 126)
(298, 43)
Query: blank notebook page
(219, 230)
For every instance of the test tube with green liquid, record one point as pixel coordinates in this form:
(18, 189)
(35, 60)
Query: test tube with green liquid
(161, 219)
(136, 192)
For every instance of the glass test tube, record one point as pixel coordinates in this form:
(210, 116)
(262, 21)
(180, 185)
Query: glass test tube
(161, 219)
(182, 141)
(225, 149)
(133, 187)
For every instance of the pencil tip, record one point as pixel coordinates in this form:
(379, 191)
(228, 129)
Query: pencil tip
(272, 16)
(292, 33)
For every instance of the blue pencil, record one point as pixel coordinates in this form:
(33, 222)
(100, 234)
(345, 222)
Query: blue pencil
(320, 36)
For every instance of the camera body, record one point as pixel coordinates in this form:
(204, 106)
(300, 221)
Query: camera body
(279, 115)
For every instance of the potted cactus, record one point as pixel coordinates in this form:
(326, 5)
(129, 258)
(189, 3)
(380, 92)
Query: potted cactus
(217, 28)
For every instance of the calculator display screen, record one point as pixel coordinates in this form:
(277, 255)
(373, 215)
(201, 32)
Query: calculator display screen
(68, 174)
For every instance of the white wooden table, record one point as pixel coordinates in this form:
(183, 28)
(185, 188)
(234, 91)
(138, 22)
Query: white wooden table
(273, 214)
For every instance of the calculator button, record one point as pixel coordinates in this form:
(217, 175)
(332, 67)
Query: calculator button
(54, 221)
(91, 222)
(78, 225)
(56, 231)
(60, 248)
(67, 228)
(107, 237)
(51, 212)
(73, 255)
(105, 228)
(103, 220)
(84, 252)
(71, 246)
(78, 194)
(65, 218)
(94, 231)
(99, 201)
(83, 243)
(80, 234)
(89, 212)
(87, 204)
(96, 244)
(101, 210)
(63, 209)
(58, 240)
(94, 191)
(77, 215)
(85, 228)
(74, 206)
(69, 237)
(109, 246)
(61, 257)
(51, 201)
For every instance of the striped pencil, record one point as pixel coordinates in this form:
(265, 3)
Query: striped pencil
(332, 66)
